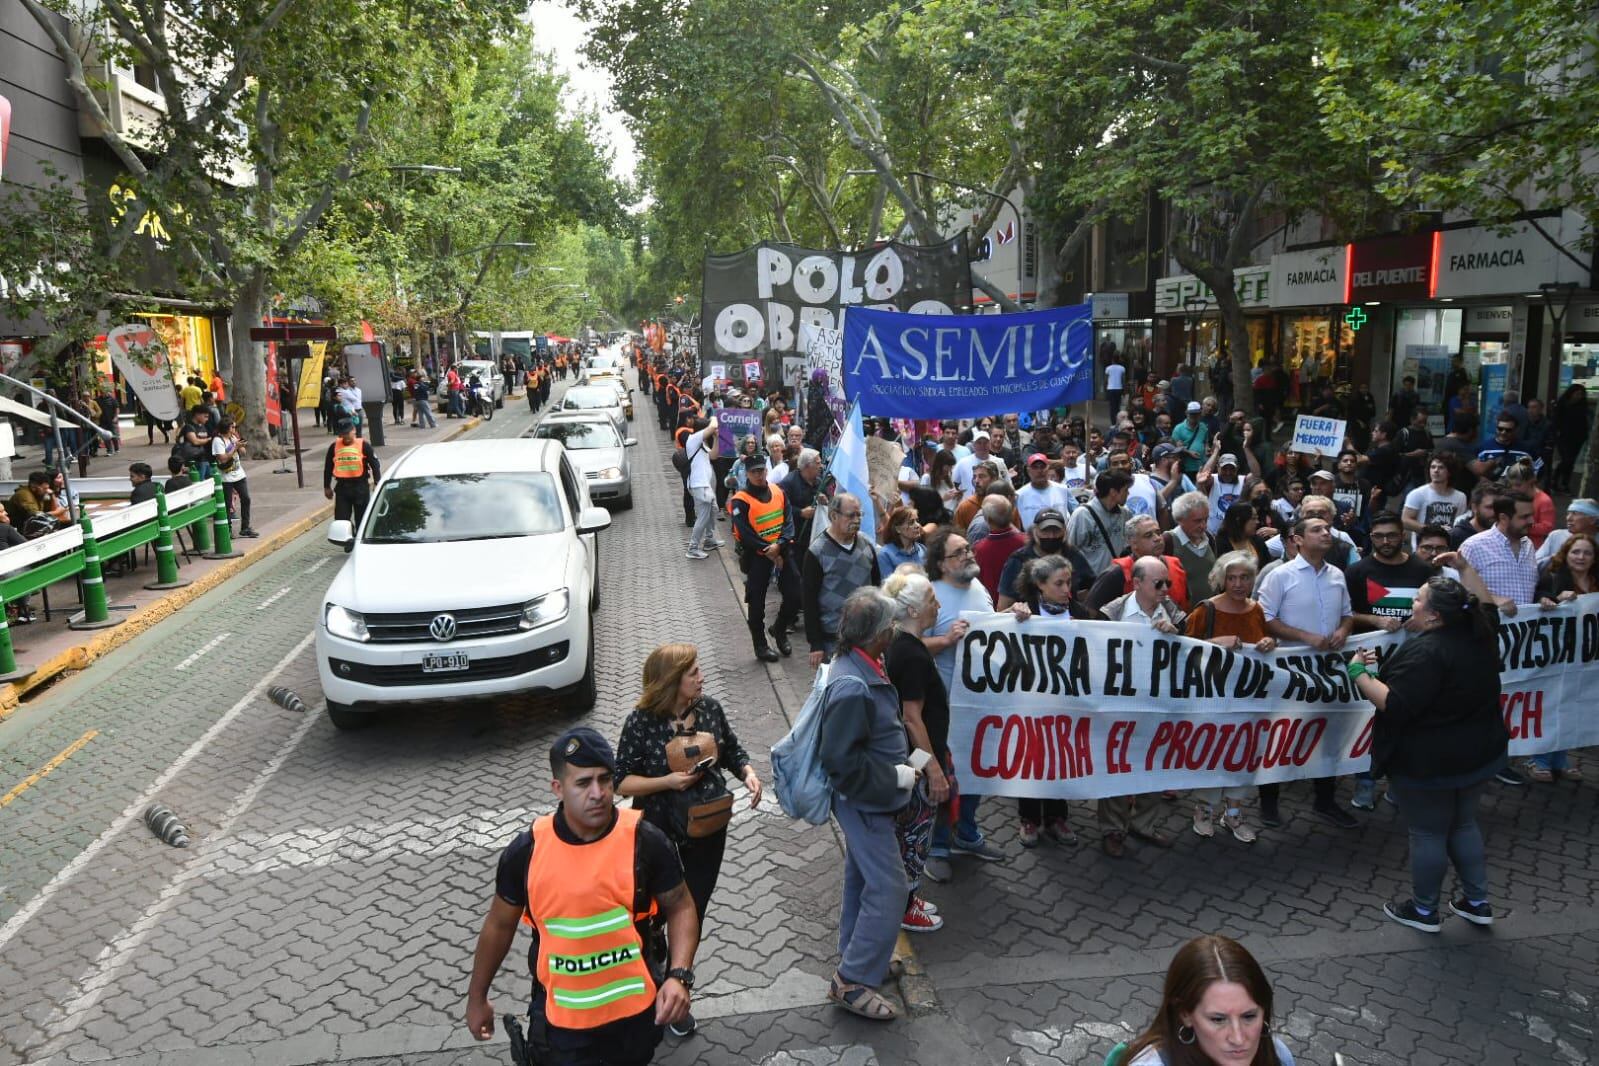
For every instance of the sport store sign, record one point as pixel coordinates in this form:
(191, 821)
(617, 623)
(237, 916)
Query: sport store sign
(1252, 284)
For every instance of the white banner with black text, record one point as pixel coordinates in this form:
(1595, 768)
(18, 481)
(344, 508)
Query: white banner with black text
(1086, 710)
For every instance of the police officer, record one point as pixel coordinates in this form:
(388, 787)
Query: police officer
(348, 473)
(593, 881)
(764, 529)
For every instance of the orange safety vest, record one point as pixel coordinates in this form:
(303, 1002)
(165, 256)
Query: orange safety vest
(349, 460)
(580, 898)
(766, 518)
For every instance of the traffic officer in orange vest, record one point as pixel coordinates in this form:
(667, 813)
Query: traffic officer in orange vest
(348, 473)
(765, 533)
(594, 882)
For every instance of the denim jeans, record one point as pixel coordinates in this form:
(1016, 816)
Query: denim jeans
(1444, 831)
(1551, 760)
(966, 830)
(874, 894)
(422, 413)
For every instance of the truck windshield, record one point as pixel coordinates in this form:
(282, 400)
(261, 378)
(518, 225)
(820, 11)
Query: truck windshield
(449, 507)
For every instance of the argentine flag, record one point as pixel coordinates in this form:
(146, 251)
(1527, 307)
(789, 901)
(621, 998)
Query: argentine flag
(849, 473)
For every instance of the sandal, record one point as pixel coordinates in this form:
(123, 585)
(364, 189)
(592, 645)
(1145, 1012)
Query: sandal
(858, 999)
(1572, 772)
(1541, 774)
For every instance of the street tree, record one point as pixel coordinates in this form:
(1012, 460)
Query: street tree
(260, 125)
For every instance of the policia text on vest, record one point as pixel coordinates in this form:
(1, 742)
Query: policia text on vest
(348, 474)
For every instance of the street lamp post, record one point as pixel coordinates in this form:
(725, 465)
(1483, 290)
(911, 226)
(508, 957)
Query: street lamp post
(1020, 237)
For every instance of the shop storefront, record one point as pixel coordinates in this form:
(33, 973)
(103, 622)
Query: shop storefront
(1191, 327)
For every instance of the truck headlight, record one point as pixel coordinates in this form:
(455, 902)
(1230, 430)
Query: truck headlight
(345, 624)
(551, 607)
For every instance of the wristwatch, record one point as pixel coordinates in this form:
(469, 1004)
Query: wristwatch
(683, 974)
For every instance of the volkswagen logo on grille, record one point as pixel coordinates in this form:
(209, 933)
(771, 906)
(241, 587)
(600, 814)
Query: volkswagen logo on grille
(442, 627)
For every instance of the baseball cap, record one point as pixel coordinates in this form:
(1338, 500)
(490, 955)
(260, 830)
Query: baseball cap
(930, 442)
(1584, 507)
(1193, 407)
(1227, 460)
(1163, 384)
(1315, 474)
(1037, 457)
(1049, 516)
(582, 746)
(1162, 451)
(755, 462)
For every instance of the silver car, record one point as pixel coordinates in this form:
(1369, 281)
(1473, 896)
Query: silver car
(601, 398)
(597, 450)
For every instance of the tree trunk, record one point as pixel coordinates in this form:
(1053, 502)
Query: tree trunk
(249, 366)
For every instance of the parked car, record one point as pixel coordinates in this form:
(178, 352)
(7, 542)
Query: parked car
(596, 449)
(475, 572)
(597, 398)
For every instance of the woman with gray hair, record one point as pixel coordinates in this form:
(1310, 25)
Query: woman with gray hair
(862, 748)
(1229, 619)
(924, 704)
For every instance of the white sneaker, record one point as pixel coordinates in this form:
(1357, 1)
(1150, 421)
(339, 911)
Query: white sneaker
(696, 553)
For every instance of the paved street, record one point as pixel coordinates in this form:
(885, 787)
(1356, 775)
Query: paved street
(328, 908)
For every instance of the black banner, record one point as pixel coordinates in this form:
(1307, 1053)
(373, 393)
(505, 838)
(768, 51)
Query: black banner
(757, 301)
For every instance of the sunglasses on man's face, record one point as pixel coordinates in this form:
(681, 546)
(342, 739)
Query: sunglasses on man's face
(1162, 583)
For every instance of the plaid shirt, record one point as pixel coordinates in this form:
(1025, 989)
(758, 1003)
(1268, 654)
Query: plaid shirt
(1508, 571)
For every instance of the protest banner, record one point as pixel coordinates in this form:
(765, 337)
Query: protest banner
(1319, 436)
(1089, 710)
(757, 301)
(961, 366)
(732, 425)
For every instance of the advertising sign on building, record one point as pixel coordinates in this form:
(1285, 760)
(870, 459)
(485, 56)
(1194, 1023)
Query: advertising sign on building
(1251, 283)
(1108, 305)
(5, 133)
(140, 356)
(1315, 277)
(1391, 268)
(1488, 321)
(1489, 261)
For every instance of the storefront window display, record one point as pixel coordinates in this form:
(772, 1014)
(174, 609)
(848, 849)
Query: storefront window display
(191, 345)
(1425, 342)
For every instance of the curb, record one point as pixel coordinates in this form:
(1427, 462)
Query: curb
(80, 656)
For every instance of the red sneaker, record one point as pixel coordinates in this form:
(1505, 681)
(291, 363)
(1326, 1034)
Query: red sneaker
(919, 921)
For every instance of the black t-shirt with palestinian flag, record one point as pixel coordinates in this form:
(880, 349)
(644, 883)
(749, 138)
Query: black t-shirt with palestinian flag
(1379, 589)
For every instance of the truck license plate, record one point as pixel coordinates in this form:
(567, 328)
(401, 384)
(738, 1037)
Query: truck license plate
(445, 663)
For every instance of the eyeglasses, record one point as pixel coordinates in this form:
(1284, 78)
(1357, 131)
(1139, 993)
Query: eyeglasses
(1504, 429)
(958, 554)
(1162, 582)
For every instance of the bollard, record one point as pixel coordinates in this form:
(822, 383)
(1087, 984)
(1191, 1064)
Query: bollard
(9, 670)
(222, 536)
(166, 556)
(201, 532)
(286, 698)
(96, 611)
(165, 825)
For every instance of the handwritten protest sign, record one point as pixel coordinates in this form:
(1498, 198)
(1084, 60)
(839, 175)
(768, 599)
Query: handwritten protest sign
(1089, 710)
(1319, 436)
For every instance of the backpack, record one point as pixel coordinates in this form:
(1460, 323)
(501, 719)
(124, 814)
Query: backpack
(798, 778)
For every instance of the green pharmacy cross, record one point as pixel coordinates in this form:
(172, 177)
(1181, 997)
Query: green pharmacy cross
(1356, 318)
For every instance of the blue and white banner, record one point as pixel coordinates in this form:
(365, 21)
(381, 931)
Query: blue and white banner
(964, 366)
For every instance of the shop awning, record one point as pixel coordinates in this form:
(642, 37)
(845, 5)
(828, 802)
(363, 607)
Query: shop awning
(557, 339)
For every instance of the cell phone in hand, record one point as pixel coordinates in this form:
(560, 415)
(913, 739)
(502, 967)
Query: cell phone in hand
(919, 759)
(705, 764)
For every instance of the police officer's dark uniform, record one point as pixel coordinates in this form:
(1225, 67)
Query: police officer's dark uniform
(761, 519)
(348, 474)
(599, 951)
